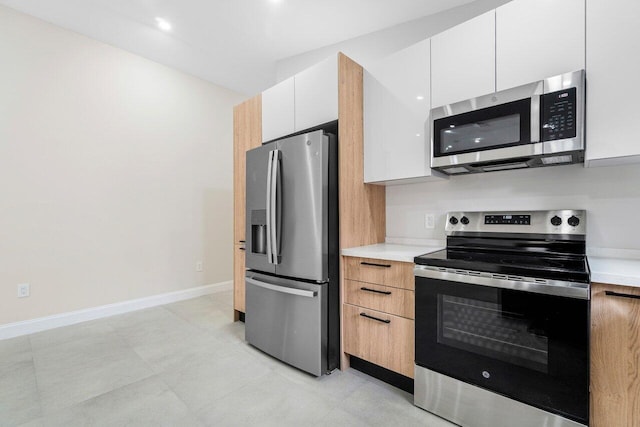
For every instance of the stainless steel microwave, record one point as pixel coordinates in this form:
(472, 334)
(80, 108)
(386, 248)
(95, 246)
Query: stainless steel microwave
(537, 124)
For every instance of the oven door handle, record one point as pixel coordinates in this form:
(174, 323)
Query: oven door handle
(550, 287)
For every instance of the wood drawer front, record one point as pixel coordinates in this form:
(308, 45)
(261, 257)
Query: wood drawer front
(382, 272)
(381, 298)
(390, 345)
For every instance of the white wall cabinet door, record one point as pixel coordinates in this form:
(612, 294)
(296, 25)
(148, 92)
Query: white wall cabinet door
(278, 111)
(396, 117)
(536, 39)
(613, 66)
(463, 61)
(316, 94)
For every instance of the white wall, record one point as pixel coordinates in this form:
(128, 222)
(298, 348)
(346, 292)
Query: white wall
(371, 47)
(611, 196)
(115, 173)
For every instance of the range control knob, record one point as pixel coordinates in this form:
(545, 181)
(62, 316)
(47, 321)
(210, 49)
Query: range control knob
(556, 220)
(573, 221)
(464, 220)
(453, 220)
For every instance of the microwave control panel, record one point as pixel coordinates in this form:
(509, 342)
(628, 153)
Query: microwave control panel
(558, 115)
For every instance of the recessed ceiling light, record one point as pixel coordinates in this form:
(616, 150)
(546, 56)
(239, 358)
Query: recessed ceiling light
(419, 97)
(163, 24)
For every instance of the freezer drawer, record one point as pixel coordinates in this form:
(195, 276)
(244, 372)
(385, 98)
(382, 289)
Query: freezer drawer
(288, 320)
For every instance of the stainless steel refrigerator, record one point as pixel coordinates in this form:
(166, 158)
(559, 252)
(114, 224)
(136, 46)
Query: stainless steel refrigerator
(292, 297)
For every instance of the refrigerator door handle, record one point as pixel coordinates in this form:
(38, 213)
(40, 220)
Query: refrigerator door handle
(268, 208)
(275, 203)
(282, 289)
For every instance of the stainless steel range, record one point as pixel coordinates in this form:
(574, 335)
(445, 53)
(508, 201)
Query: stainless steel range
(502, 332)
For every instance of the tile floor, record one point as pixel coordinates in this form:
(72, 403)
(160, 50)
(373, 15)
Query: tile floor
(183, 364)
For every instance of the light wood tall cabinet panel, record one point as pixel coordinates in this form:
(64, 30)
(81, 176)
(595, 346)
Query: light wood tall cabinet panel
(247, 134)
(397, 104)
(463, 61)
(536, 39)
(278, 110)
(362, 206)
(615, 356)
(613, 66)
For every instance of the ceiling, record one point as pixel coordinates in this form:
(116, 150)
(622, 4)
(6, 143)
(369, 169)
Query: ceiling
(233, 43)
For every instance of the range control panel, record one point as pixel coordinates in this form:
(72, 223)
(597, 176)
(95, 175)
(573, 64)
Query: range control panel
(553, 222)
(558, 115)
(508, 219)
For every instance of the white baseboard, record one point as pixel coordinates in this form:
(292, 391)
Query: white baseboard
(26, 327)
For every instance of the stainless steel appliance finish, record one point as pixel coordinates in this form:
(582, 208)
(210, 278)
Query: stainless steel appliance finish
(287, 319)
(506, 281)
(536, 149)
(468, 405)
(292, 299)
(540, 222)
(289, 207)
(502, 320)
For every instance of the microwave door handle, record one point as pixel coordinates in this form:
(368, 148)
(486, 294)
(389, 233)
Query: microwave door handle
(268, 206)
(535, 118)
(273, 234)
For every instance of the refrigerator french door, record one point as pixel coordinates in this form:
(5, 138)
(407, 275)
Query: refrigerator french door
(292, 251)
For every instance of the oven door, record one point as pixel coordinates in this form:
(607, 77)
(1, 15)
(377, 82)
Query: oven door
(530, 347)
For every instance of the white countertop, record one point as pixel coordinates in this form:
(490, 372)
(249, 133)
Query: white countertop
(616, 271)
(390, 251)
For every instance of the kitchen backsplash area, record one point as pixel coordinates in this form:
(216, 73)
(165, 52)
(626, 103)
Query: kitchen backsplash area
(610, 195)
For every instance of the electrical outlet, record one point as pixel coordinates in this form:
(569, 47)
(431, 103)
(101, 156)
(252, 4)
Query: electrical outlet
(199, 266)
(23, 290)
(429, 221)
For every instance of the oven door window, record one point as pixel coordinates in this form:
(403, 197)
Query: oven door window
(530, 347)
(504, 125)
(495, 330)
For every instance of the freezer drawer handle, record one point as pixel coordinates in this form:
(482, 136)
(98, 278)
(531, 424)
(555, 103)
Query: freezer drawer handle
(376, 291)
(375, 318)
(282, 289)
(618, 294)
(372, 264)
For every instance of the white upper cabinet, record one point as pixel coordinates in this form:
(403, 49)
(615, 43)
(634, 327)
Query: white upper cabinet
(278, 110)
(463, 61)
(536, 39)
(396, 117)
(316, 94)
(613, 65)
(306, 100)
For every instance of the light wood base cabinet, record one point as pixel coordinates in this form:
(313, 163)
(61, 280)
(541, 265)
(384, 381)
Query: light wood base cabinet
(377, 312)
(380, 338)
(615, 356)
